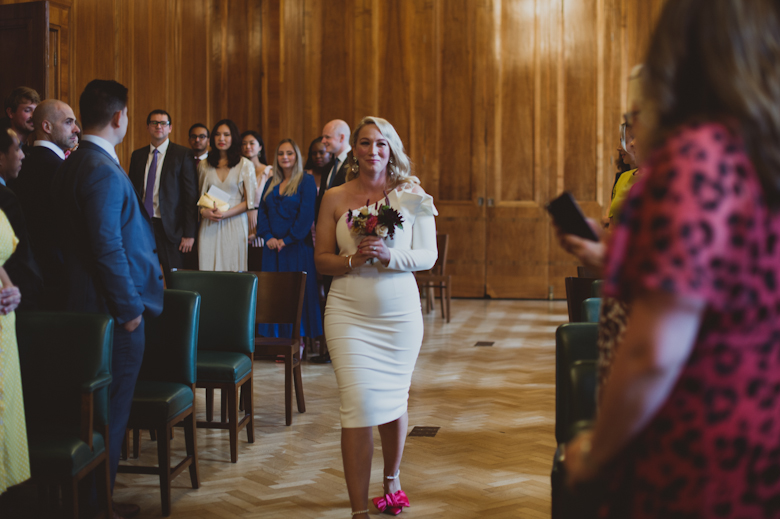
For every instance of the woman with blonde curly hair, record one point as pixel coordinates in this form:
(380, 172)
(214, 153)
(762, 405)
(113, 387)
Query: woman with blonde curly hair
(373, 318)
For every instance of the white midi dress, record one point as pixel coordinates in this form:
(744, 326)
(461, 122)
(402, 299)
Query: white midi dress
(373, 318)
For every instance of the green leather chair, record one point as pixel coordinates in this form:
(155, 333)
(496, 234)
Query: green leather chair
(596, 288)
(165, 392)
(226, 344)
(573, 342)
(591, 308)
(575, 402)
(280, 301)
(65, 362)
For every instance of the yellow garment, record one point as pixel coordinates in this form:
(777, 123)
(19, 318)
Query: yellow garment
(14, 457)
(623, 186)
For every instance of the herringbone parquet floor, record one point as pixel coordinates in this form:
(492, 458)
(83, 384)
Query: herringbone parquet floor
(490, 459)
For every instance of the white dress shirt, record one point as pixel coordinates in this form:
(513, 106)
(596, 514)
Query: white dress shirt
(161, 150)
(53, 147)
(203, 157)
(102, 143)
(339, 162)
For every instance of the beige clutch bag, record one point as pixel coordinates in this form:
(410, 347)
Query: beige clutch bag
(207, 201)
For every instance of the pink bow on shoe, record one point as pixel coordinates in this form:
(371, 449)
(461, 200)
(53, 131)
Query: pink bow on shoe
(391, 503)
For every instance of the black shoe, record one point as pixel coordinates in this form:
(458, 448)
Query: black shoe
(321, 359)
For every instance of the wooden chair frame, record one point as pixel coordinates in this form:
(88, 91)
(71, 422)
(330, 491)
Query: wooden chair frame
(271, 347)
(437, 279)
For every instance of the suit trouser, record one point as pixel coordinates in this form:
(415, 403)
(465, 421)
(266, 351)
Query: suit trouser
(128, 354)
(168, 253)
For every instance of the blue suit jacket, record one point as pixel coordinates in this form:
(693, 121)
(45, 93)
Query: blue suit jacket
(107, 239)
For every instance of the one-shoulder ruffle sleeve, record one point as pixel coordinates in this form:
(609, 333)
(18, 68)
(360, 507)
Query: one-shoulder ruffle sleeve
(419, 208)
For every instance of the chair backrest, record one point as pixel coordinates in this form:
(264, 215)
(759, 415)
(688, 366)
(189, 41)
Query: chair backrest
(573, 342)
(442, 245)
(591, 308)
(172, 339)
(227, 308)
(280, 299)
(582, 387)
(577, 291)
(61, 354)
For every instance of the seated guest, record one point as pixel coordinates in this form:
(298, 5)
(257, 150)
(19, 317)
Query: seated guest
(199, 142)
(19, 107)
(284, 222)
(164, 176)
(222, 239)
(109, 248)
(55, 133)
(688, 424)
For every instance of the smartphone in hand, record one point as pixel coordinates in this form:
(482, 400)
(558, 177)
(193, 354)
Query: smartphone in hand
(569, 218)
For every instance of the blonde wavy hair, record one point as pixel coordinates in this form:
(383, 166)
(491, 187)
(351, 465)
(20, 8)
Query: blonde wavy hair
(297, 173)
(399, 169)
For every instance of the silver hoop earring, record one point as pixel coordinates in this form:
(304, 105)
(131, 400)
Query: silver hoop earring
(392, 161)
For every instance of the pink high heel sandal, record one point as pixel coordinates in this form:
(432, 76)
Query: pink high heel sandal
(392, 504)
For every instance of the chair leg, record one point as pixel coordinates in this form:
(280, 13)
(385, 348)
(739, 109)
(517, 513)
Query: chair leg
(299, 388)
(443, 302)
(153, 435)
(136, 442)
(241, 399)
(449, 300)
(209, 404)
(224, 404)
(249, 409)
(164, 467)
(288, 385)
(104, 483)
(70, 496)
(232, 408)
(125, 446)
(191, 444)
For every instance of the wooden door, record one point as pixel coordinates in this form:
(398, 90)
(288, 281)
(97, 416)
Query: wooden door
(24, 38)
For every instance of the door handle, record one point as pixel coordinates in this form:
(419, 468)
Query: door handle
(490, 202)
(480, 201)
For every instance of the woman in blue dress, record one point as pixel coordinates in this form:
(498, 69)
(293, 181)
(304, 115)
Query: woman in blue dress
(284, 221)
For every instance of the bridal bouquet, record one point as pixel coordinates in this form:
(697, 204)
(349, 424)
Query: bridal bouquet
(375, 220)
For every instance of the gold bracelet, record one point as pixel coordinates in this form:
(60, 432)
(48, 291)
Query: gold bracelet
(349, 263)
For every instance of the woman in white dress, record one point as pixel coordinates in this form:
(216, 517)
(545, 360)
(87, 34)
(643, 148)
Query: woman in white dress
(222, 239)
(373, 318)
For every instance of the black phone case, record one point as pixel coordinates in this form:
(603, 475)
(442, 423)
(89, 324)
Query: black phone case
(569, 217)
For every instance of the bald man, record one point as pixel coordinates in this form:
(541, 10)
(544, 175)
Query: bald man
(335, 137)
(55, 132)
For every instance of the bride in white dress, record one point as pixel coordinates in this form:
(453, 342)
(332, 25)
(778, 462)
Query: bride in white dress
(373, 319)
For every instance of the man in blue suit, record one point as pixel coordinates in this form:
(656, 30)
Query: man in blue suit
(108, 246)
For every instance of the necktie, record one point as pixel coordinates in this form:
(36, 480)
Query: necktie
(333, 173)
(150, 178)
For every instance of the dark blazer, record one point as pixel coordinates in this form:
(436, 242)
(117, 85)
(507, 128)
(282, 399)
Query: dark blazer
(21, 266)
(339, 179)
(33, 188)
(107, 238)
(178, 189)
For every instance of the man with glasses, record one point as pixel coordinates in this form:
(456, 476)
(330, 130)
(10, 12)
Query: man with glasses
(164, 176)
(199, 141)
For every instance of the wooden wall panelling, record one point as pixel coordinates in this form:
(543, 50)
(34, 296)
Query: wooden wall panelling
(517, 226)
(461, 154)
(338, 70)
(191, 95)
(271, 83)
(312, 71)
(245, 64)
(59, 23)
(24, 32)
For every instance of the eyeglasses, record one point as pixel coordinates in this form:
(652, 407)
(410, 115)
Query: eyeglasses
(199, 137)
(159, 123)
